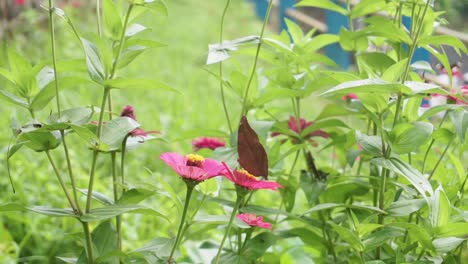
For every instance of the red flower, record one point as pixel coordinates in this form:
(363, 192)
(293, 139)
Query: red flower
(244, 179)
(253, 220)
(207, 142)
(349, 97)
(75, 3)
(21, 2)
(129, 111)
(303, 124)
(192, 166)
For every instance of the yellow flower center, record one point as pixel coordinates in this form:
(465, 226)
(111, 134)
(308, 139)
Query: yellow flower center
(246, 173)
(195, 160)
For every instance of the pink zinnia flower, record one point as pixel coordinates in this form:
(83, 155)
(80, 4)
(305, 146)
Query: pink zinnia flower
(21, 2)
(349, 97)
(207, 142)
(303, 124)
(253, 220)
(244, 179)
(129, 111)
(193, 167)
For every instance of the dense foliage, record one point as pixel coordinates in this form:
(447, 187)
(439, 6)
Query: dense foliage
(292, 160)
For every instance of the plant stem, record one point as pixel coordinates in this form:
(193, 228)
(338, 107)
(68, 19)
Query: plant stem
(440, 159)
(182, 220)
(122, 164)
(62, 184)
(254, 66)
(98, 16)
(70, 171)
(96, 152)
(54, 57)
(121, 42)
(118, 219)
(228, 229)
(89, 242)
(221, 81)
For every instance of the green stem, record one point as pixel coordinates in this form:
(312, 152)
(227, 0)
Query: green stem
(121, 42)
(70, 171)
(228, 229)
(221, 81)
(62, 184)
(182, 220)
(122, 164)
(254, 66)
(440, 159)
(98, 16)
(54, 56)
(96, 152)
(118, 219)
(89, 242)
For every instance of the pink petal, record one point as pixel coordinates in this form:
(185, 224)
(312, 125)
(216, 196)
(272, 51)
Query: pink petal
(173, 159)
(213, 167)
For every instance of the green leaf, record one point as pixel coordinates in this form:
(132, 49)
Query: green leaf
(115, 131)
(134, 196)
(408, 137)
(329, 123)
(327, 206)
(394, 72)
(422, 66)
(437, 109)
(134, 29)
(380, 237)
(11, 207)
(369, 86)
(460, 122)
(348, 236)
(77, 116)
(404, 169)
(100, 197)
(103, 213)
(112, 20)
(418, 232)
(13, 99)
(160, 247)
(44, 77)
(45, 210)
(447, 244)
(424, 88)
(89, 136)
(440, 40)
(93, 61)
(39, 139)
(452, 229)
(220, 51)
(371, 145)
(104, 238)
(156, 6)
(439, 214)
(405, 207)
(258, 245)
(45, 95)
(366, 7)
(325, 4)
(219, 220)
(138, 83)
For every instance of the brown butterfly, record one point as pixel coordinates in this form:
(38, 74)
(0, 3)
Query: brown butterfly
(252, 155)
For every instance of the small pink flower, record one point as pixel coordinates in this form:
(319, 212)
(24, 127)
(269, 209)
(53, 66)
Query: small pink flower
(21, 2)
(303, 124)
(253, 220)
(207, 142)
(192, 166)
(129, 111)
(75, 4)
(349, 97)
(244, 179)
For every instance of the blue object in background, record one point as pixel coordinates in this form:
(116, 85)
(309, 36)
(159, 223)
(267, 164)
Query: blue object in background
(420, 54)
(284, 4)
(335, 21)
(261, 7)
